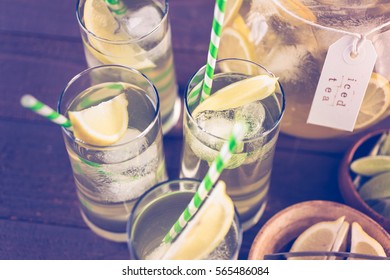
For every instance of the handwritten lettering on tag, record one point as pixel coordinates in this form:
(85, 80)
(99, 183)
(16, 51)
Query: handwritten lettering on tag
(343, 83)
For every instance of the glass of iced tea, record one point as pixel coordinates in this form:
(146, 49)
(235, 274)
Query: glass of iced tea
(248, 173)
(110, 170)
(137, 34)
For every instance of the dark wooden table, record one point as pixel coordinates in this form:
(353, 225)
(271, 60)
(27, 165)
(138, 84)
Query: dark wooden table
(40, 51)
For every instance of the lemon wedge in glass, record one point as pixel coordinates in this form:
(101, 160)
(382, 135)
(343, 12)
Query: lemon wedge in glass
(103, 124)
(231, 10)
(238, 94)
(362, 243)
(235, 43)
(114, 46)
(319, 237)
(206, 230)
(298, 9)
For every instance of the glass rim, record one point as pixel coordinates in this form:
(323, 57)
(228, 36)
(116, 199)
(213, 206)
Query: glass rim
(245, 140)
(173, 181)
(114, 146)
(121, 42)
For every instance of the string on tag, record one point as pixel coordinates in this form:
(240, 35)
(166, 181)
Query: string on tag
(357, 43)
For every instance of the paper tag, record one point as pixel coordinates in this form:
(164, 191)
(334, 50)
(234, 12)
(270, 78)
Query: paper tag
(343, 83)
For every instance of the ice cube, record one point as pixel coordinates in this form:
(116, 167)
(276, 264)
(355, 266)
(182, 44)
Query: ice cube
(220, 253)
(141, 165)
(129, 188)
(128, 180)
(252, 115)
(206, 146)
(217, 123)
(258, 28)
(143, 21)
(291, 63)
(158, 253)
(134, 147)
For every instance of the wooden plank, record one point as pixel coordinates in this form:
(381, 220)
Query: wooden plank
(28, 241)
(45, 68)
(42, 191)
(336, 146)
(43, 17)
(286, 189)
(36, 179)
(190, 20)
(297, 178)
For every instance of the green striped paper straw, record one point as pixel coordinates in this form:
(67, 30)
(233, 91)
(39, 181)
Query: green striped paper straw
(207, 183)
(116, 6)
(219, 15)
(30, 102)
(193, 96)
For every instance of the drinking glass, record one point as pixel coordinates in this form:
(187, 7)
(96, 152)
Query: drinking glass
(139, 38)
(248, 172)
(109, 179)
(159, 208)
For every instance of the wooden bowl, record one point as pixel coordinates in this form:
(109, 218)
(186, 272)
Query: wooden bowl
(348, 190)
(284, 227)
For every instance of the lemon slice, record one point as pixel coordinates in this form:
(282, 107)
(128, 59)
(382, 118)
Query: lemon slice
(376, 188)
(375, 103)
(371, 165)
(231, 10)
(299, 9)
(113, 49)
(235, 44)
(207, 229)
(103, 124)
(240, 26)
(319, 237)
(238, 94)
(362, 243)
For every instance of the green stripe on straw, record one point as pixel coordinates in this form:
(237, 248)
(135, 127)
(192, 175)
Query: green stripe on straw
(207, 183)
(219, 15)
(30, 102)
(116, 6)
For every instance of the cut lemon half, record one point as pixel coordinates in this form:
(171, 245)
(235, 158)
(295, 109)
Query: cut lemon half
(235, 44)
(375, 103)
(340, 244)
(231, 10)
(113, 47)
(319, 237)
(207, 229)
(238, 94)
(362, 243)
(103, 124)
